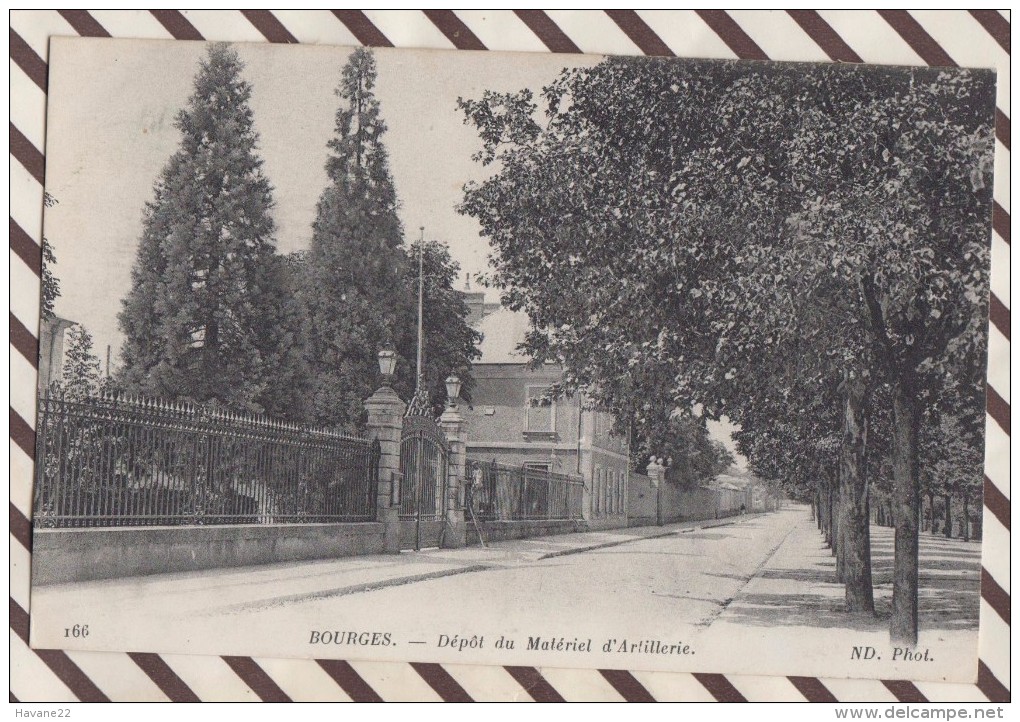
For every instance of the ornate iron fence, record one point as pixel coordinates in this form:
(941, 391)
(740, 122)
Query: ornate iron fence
(500, 492)
(112, 461)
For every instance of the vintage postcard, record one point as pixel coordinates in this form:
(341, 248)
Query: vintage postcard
(492, 358)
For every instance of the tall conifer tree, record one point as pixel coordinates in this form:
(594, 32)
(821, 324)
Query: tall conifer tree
(356, 296)
(81, 377)
(203, 318)
(362, 281)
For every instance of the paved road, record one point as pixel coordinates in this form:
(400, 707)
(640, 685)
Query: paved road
(646, 588)
(751, 595)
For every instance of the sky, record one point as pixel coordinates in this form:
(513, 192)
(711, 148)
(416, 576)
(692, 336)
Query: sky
(110, 132)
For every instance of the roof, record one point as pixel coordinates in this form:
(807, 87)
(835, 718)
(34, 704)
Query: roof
(503, 331)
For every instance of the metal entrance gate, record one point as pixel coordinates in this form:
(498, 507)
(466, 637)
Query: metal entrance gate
(423, 464)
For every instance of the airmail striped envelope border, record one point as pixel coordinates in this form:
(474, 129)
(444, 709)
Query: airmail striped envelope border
(977, 38)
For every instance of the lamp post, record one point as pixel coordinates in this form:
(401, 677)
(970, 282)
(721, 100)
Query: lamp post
(387, 364)
(452, 391)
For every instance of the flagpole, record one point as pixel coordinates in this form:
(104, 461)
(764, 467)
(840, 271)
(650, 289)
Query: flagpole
(421, 293)
(419, 404)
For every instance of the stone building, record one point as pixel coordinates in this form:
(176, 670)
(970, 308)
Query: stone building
(507, 422)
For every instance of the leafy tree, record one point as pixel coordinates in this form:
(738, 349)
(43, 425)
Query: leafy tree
(684, 441)
(202, 320)
(721, 459)
(50, 283)
(362, 283)
(951, 468)
(899, 196)
(449, 343)
(790, 431)
(674, 229)
(879, 457)
(638, 157)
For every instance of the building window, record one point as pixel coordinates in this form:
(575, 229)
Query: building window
(540, 415)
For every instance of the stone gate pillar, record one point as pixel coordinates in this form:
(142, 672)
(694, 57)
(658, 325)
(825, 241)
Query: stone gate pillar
(452, 423)
(657, 474)
(385, 422)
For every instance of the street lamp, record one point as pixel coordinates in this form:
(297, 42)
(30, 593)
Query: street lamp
(452, 391)
(387, 363)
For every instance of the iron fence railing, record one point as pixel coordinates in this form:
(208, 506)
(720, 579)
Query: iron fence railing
(112, 461)
(500, 492)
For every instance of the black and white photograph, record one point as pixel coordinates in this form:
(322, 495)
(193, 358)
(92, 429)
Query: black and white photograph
(516, 359)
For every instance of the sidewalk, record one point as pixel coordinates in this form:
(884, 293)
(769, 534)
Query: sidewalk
(796, 585)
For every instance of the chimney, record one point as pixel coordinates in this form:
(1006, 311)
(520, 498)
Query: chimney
(475, 301)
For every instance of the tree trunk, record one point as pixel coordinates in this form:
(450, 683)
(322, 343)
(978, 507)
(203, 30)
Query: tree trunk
(949, 517)
(835, 531)
(830, 531)
(855, 549)
(903, 623)
(966, 515)
(840, 540)
(823, 507)
(931, 512)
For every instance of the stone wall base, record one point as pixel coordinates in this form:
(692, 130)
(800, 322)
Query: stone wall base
(75, 555)
(495, 531)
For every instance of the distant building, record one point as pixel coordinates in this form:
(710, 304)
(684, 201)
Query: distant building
(739, 491)
(504, 425)
(477, 306)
